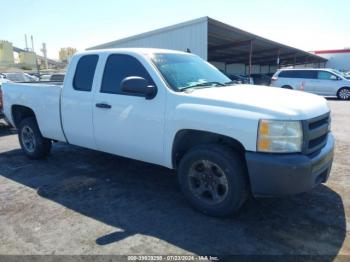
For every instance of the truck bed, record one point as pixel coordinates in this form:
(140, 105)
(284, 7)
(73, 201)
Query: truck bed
(43, 99)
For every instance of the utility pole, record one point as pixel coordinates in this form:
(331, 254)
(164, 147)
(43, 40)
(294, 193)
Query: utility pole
(36, 59)
(25, 39)
(44, 50)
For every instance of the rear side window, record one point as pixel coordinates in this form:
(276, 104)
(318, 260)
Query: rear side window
(288, 74)
(308, 74)
(117, 68)
(84, 73)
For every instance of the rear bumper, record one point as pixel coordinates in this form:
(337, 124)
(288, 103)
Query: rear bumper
(286, 174)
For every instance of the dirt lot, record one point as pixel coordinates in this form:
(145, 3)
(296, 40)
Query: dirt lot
(80, 201)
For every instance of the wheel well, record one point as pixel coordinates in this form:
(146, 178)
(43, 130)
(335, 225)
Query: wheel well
(287, 87)
(187, 139)
(21, 112)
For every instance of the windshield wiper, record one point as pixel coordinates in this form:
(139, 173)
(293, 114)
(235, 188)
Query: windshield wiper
(205, 84)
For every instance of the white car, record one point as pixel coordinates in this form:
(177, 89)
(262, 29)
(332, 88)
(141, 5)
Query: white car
(174, 109)
(325, 82)
(3, 79)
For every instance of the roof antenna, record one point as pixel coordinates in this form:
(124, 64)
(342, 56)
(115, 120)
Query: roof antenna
(188, 50)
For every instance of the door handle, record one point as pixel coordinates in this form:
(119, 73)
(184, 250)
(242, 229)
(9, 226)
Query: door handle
(103, 105)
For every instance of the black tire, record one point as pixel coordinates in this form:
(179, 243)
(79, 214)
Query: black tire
(226, 160)
(343, 93)
(287, 87)
(33, 144)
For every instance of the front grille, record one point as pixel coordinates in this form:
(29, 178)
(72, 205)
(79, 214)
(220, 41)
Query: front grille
(315, 133)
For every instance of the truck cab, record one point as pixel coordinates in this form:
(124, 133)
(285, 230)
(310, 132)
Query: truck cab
(226, 141)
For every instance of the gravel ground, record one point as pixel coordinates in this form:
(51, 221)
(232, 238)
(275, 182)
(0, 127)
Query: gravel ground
(79, 201)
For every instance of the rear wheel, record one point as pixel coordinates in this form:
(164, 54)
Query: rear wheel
(344, 93)
(214, 179)
(33, 144)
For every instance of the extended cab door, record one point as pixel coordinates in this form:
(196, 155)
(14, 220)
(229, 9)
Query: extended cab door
(128, 124)
(77, 101)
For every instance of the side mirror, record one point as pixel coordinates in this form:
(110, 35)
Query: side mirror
(333, 77)
(138, 86)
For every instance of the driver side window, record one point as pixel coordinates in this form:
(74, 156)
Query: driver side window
(323, 75)
(118, 67)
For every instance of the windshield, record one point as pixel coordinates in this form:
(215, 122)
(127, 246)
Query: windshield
(338, 72)
(183, 71)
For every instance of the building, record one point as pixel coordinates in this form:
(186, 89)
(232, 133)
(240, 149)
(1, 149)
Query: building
(6, 54)
(66, 53)
(338, 59)
(27, 59)
(230, 49)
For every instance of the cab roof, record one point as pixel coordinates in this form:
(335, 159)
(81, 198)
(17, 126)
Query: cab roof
(141, 51)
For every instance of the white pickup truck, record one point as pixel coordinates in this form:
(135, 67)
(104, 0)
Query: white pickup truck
(226, 141)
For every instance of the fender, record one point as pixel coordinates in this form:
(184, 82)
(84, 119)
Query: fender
(225, 121)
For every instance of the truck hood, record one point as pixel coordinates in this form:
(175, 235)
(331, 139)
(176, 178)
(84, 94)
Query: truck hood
(269, 101)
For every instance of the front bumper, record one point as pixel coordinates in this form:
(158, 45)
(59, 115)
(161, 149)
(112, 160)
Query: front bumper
(286, 174)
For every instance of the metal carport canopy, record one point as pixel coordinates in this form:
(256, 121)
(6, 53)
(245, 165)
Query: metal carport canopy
(231, 45)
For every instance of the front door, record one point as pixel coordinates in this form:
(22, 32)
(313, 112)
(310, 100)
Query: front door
(125, 124)
(327, 83)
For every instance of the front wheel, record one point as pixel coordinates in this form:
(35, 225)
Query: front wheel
(33, 144)
(214, 179)
(343, 93)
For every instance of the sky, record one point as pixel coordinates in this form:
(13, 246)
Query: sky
(305, 24)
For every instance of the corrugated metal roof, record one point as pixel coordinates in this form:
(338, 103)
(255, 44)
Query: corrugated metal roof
(232, 45)
(222, 43)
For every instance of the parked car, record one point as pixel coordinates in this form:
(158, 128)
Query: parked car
(31, 78)
(59, 77)
(261, 79)
(270, 75)
(20, 77)
(239, 79)
(37, 75)
(3, 79)
(347, 75)
(174, 109)
(344, 74)
(45, 77)
(1, 105)
(320, 81)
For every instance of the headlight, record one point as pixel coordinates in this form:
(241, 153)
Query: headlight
(277, 136)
